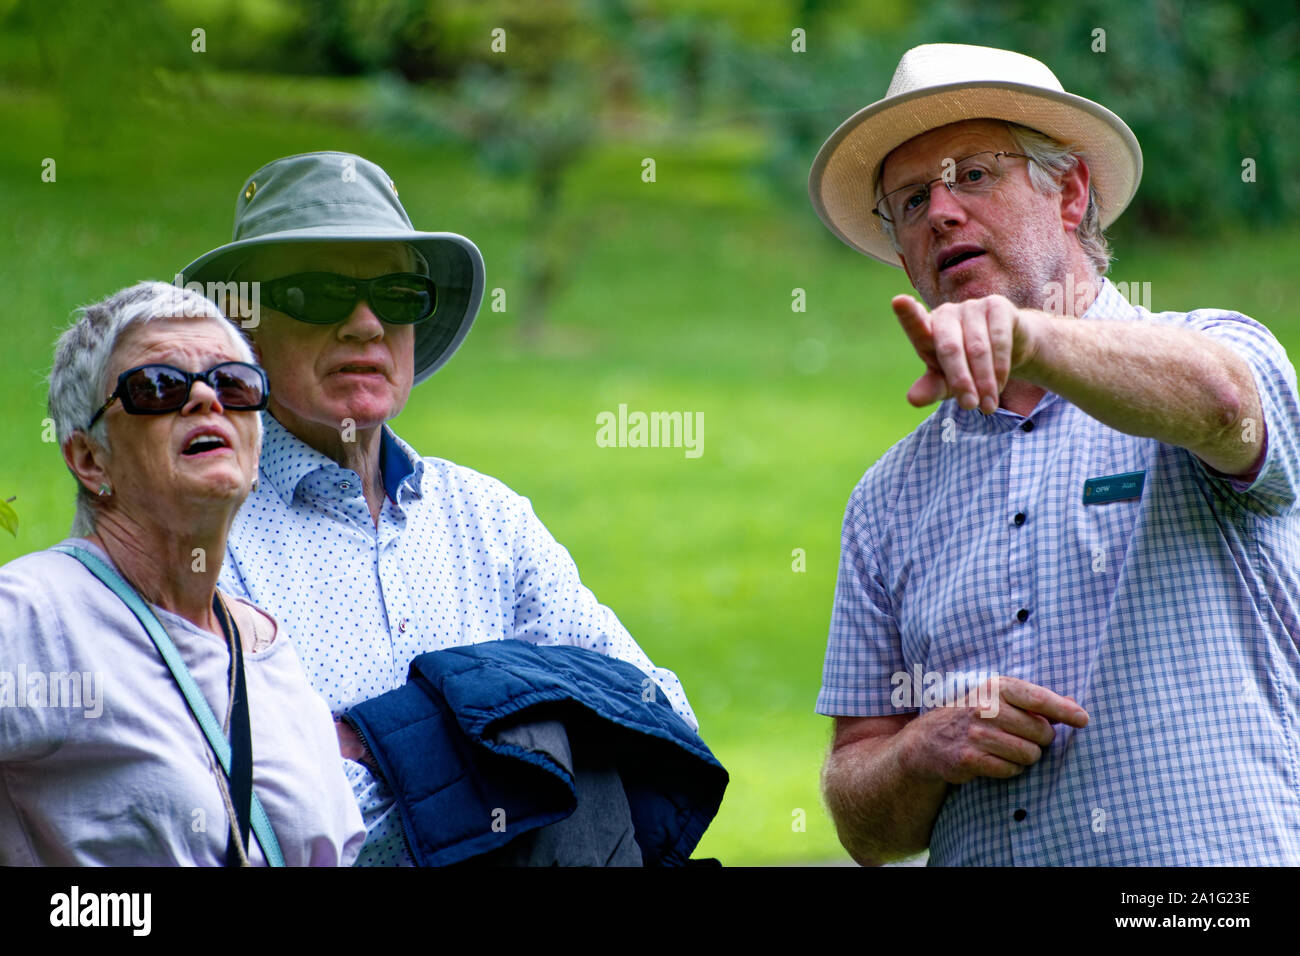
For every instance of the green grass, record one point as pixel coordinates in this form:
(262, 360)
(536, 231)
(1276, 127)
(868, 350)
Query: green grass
(678, 298)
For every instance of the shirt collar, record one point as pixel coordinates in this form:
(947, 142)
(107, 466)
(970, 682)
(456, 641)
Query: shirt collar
(398, 462)
(1109, 304)
(287, 460)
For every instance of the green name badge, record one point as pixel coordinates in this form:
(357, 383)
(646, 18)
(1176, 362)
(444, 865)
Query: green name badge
(1114, 487)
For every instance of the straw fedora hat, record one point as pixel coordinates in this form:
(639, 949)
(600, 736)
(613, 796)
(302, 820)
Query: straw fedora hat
(942, 83)
(338, 197)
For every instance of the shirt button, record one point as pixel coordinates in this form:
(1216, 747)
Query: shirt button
(1022, 614)
(1019, 815)
(1026, 426)
(344, 486)
(401, 626)
(1019, 518)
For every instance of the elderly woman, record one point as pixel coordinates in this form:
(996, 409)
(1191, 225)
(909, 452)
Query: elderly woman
(372, 554)
(108, 751)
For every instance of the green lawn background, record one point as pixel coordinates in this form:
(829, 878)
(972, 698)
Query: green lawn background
(678, 299)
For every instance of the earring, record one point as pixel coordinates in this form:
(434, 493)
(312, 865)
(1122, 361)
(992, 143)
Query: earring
(253, 486)
(105, 490)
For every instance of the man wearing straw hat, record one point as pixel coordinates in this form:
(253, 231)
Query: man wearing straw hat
(370, 553)
(1066, 629)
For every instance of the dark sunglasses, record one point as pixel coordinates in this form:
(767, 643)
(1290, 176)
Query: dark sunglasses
(158, 389)
(326, 298)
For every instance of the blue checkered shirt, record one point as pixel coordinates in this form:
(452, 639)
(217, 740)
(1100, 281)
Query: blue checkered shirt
(1173, 619)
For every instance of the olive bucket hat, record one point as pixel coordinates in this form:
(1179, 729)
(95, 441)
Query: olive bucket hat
(338, 197)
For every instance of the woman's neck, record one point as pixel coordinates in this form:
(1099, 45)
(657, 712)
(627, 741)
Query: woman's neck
(175, 568)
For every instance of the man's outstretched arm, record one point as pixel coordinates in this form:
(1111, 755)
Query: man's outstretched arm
(1173, 384)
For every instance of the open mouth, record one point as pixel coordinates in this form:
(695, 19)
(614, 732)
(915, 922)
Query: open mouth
(959, 258)
(358, 370)
(202, 444)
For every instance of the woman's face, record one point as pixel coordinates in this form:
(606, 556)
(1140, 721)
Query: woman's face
(154, 459)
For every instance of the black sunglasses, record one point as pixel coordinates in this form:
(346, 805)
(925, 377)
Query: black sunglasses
(326, 298)
(158, 389)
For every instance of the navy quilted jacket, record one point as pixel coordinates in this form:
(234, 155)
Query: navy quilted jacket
(432, 740)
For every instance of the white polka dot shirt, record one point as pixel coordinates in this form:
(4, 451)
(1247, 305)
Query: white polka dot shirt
(457, 558)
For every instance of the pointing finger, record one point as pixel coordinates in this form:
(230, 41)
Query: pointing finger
(916, 324)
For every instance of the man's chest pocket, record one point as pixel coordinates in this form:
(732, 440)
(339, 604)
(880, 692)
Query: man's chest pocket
(1108, 492)
(1103, 535)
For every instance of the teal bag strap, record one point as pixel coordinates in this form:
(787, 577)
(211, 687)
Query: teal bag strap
(198, 704)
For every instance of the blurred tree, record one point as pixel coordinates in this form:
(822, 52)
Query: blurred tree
(352, 37)
(526, 111)
(793, 69)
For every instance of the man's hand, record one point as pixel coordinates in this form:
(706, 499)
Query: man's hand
(350, 744)
(886, 778)
(957, 744)
(969, 348)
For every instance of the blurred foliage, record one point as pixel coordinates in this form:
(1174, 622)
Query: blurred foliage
(1202, 85)
(50, 45)
(527, 112)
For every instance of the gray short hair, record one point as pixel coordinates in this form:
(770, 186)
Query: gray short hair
(1050, 159)
(83, 356)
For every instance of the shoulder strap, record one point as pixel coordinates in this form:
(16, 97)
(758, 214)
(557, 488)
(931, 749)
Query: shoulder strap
(198, 704)
(241, 739)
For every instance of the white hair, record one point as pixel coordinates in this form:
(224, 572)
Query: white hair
(83, 356)
(1049, 161)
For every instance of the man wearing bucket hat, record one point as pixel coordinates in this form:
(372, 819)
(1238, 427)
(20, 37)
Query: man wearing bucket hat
(369, 553)
(1066, 628)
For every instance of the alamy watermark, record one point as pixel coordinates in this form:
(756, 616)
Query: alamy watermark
(236, 300)
(626, 429)
(130, 910)
(82, 690)
(1074, 298)
(917, 689)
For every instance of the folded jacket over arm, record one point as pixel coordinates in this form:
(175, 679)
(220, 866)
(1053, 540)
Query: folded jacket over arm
(464, 783)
